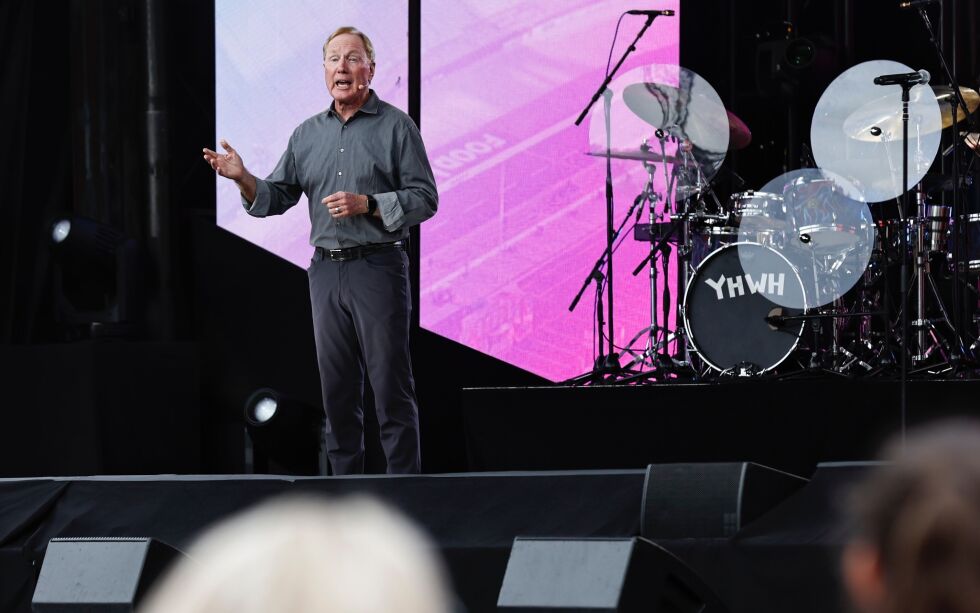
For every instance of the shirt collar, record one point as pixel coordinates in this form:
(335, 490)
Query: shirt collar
(370, 107)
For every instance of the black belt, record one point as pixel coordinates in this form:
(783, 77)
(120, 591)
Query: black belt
(353, 253)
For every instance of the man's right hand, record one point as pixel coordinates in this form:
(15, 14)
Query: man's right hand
(231, 166)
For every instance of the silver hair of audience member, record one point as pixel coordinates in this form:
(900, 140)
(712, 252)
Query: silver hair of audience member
(307, 555)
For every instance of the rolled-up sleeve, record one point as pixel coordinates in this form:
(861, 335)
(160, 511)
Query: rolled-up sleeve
(279, 191)
(416, 199)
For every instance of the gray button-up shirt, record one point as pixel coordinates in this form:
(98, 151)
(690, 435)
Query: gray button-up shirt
(378, 151)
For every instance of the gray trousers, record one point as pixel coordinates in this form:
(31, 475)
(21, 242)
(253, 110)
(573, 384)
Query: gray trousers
(361, 317)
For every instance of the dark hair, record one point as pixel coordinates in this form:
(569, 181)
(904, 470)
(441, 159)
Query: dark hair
(921, 511)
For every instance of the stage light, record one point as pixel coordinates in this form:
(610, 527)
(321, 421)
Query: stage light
(261, 406)
(60, 230)
(96, 278)
(283, 435)
(800, 53)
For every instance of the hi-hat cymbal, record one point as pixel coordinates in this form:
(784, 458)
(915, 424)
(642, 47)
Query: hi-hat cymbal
(641, 156)
(946, 99)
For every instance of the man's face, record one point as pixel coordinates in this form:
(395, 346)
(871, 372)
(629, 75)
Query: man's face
(347, 69)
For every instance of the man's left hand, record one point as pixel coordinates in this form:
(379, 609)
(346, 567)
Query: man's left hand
(346, 204)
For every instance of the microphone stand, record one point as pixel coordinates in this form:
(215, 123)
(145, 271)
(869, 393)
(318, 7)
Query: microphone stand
(602, 363)
(610, 361)
(959, 217)
(904, 281)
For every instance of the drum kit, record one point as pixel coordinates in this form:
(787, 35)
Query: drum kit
(845, 267)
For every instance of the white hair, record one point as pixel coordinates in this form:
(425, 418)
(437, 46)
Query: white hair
(305, 555)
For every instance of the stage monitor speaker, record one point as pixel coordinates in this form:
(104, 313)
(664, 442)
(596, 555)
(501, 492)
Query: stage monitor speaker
(709, 500)
(596, 574)
(98, 574)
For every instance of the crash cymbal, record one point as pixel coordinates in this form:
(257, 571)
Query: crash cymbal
(641, 156)
(690, 110)
(857, 130)
(739, 135)
(944, 95)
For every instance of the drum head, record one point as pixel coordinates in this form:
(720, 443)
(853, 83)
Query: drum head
(725, 309)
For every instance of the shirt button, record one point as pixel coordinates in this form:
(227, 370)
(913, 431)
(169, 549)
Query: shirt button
(341, 150)
(339, 173)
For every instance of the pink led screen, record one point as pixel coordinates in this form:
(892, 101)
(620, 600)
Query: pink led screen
(522, 209)
(269, 78)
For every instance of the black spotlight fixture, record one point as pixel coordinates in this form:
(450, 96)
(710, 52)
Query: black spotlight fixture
(97, 281)
(781, 56)
(282, 435)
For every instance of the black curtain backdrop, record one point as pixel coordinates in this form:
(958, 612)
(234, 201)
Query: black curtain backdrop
(35, 158)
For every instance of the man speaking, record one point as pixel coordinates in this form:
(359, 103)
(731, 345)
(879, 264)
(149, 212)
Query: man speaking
(363, 167)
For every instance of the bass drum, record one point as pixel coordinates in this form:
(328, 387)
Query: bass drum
(727, 312)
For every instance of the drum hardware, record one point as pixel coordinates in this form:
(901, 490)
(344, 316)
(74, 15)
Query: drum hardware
(651, 355)
(607, 364)
(956, 103)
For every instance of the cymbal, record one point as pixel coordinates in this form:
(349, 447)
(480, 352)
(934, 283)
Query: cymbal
(944, 95)
(881, 119)
(856, 131)
(739, 135)
(641, 156)
(693, 111)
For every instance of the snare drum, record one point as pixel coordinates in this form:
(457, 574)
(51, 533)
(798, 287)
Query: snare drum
(726, 310)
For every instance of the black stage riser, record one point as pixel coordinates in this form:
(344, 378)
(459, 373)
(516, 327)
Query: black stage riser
(788, 425)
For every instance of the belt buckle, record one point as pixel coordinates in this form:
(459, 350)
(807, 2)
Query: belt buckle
(337, 255)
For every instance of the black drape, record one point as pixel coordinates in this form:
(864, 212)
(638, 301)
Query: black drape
(35, 156)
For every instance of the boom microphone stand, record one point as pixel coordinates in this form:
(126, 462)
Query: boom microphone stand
(609, 363)
(906, 82)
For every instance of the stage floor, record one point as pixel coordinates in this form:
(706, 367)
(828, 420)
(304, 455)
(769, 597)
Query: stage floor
(783, 561)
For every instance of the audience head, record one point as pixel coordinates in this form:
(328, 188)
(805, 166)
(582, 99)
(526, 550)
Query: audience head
(916, 547)
(306, 555)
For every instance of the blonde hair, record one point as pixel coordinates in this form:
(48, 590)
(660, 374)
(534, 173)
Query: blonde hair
(368, 46)
(307, 555)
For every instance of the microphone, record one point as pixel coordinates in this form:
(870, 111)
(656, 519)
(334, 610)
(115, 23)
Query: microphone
(905, 78)
(776, 321)
(913, 4)
(665, 13)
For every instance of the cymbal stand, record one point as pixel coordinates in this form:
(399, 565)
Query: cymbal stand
(959, 214)
(651, 350)
(928, 339)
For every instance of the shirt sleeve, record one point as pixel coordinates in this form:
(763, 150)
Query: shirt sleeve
(279, 191)
(416, 199)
